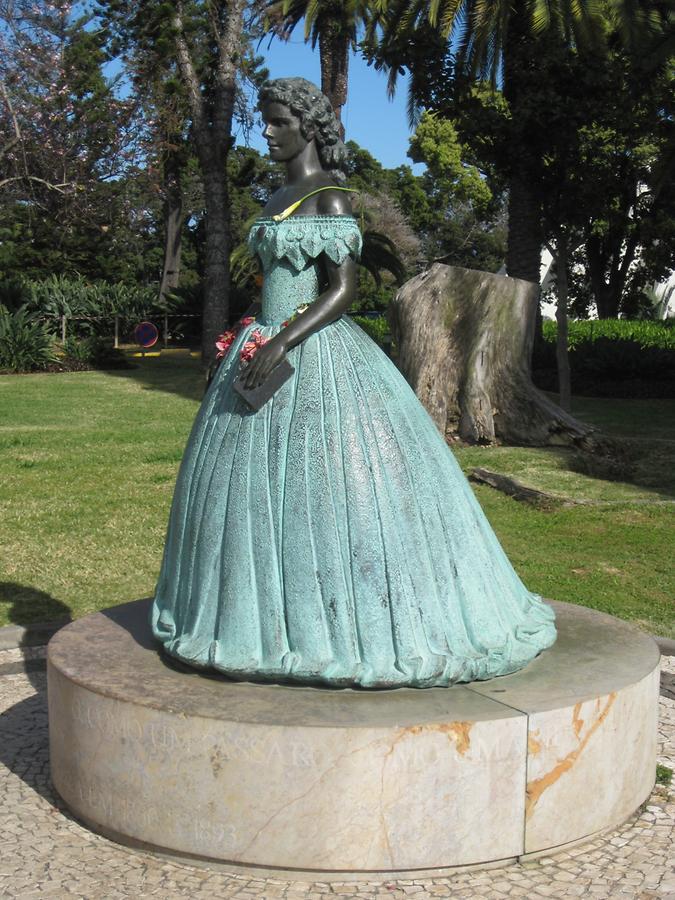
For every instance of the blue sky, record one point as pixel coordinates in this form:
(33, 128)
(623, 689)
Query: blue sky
(370, 118)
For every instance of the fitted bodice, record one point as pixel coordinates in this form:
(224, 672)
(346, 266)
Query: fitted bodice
(289, 252)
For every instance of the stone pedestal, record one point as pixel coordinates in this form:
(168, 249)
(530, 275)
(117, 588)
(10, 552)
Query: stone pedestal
(350, 782)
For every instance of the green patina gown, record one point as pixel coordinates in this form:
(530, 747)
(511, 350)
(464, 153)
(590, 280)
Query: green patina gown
(331, 537)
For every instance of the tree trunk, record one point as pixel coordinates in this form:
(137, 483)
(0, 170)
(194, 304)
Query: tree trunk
(524, 240)
(465, 341)
(609, 259)
(212, 131)
(216, 267)
(606, 299)
(173, 226)
(561, 351)
(334, 57)
(521, 75)
(606, 302)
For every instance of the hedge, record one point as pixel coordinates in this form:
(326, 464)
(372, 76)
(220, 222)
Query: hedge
(644, 333)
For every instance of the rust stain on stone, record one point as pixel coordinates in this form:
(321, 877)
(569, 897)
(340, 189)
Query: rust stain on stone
(533, 743)
(577, 721)
(461, 732)
(537, 787)
(458, 732)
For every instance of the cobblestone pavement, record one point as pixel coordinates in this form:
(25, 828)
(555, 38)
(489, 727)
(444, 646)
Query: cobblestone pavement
(46, 853)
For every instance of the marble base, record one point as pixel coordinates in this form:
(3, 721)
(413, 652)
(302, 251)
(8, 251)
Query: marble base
(343, 781)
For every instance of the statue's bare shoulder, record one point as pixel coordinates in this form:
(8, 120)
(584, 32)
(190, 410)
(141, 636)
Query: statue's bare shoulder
(334, 203)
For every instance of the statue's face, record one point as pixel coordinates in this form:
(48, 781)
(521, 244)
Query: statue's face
(282, 132)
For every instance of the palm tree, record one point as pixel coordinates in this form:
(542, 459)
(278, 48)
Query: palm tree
(502, 40)
(334, 26)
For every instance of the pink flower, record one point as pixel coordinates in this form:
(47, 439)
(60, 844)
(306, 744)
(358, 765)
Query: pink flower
(224, 342)
(226, 339)
(247, 351)
(251, 346)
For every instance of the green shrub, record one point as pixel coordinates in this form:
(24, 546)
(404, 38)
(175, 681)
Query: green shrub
(81, 349)
(612, 358)
(644, 333)
(13, 293)
(94, 352)
(89, 306)
(375, 328)
(622, 359)
(25, 343)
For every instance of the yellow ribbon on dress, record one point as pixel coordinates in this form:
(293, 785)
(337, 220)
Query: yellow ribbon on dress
(292, 208)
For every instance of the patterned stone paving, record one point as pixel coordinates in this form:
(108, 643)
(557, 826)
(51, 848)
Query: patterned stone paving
(46, 853)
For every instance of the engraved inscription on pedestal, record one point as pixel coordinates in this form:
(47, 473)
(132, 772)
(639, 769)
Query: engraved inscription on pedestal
(340, 781)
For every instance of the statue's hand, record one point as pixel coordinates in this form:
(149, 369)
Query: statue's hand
(266, 358)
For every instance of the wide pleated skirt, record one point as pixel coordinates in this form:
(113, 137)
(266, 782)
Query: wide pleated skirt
(331, 538)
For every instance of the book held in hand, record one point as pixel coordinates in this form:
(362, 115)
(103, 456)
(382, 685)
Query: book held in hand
(257, 397)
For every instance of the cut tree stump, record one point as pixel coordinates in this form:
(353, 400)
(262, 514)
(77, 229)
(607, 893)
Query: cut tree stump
(465, 344)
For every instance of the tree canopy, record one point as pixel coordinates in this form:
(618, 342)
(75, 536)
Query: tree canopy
(116, 178)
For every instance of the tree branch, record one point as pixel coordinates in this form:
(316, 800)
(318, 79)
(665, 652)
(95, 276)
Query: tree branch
(228, 46)
(18, 139)
(189, 75)
(15, 121)
(9, 146)
(47, 184)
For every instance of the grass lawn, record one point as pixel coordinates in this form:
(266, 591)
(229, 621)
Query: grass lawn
(88, 462)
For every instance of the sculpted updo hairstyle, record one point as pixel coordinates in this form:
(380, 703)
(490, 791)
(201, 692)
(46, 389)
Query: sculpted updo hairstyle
(317, 118)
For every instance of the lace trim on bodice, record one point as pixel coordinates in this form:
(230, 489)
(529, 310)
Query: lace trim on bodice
(304, 238)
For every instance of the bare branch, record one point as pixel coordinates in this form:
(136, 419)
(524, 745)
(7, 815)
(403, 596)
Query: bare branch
(18, 139)
(15, 121)
(47, 184)
(9, 146)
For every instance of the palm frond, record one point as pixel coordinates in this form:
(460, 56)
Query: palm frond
(413, 109)
(449, 16)
(541, 15)
(243, 266)
(312, 11)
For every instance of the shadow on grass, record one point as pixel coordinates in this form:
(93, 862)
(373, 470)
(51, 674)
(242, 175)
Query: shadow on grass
(28, 605)
(645, 434)
(181, 375)
(641, 464)
(643, 474)
(646, 419)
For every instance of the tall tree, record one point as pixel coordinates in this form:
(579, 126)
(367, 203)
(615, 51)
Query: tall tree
(69, 145)
(150, 66)
(333, 25)
(607, 179)
(500, 40)
(448, 222)
(63, 126)
(207, 41)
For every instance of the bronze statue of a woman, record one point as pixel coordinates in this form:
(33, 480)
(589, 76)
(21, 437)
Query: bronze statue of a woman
(329, 537)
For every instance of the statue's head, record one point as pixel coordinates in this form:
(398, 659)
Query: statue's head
(316, 118)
